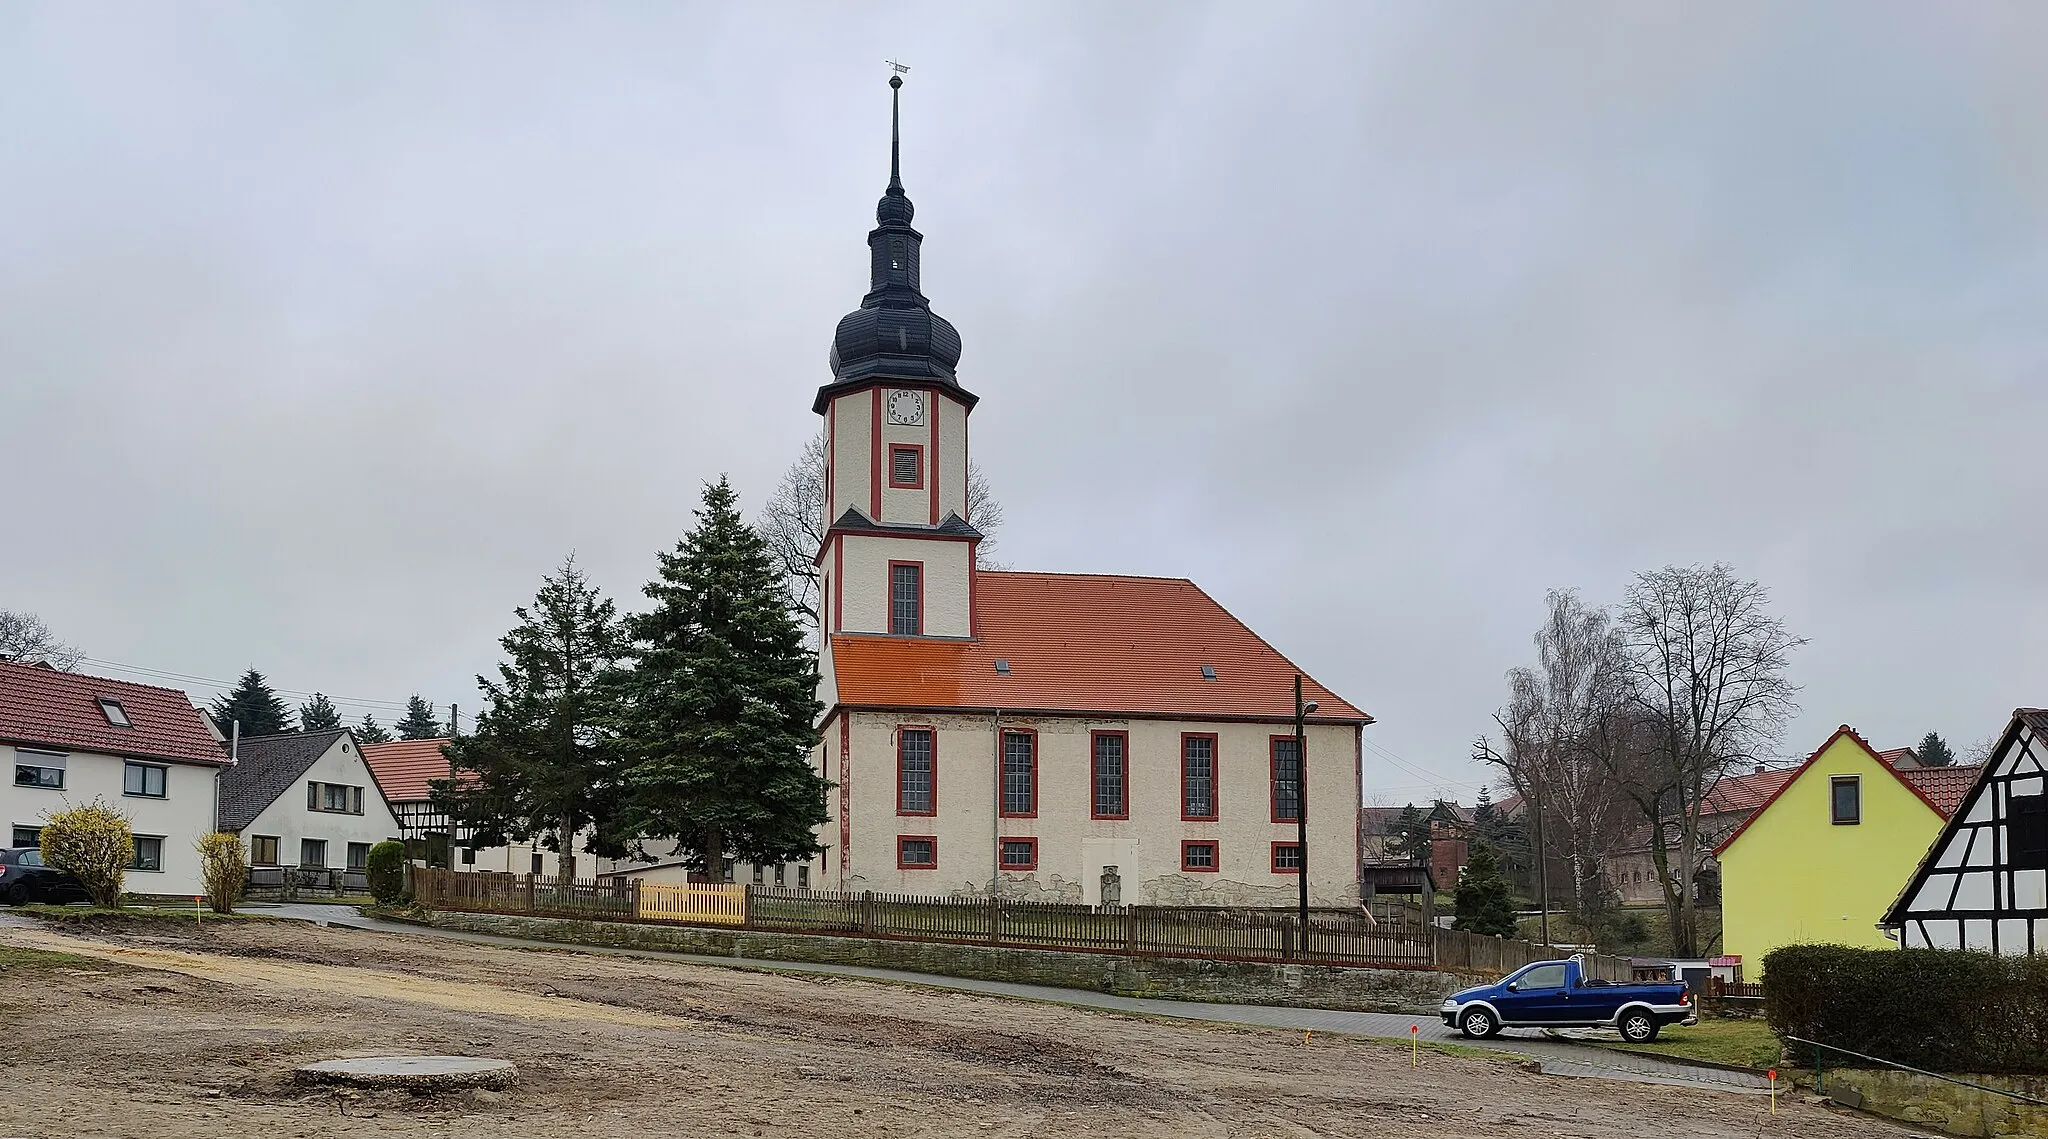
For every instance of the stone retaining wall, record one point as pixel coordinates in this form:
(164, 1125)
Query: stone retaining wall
(1233, 982)
(1948, 1107)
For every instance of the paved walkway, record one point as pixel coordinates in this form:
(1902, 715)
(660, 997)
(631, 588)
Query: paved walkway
(1557, 1056)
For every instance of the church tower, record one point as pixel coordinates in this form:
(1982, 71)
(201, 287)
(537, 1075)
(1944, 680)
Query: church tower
(898, 554)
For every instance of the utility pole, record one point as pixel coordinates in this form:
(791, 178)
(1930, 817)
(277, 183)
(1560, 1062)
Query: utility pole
(1301, 711)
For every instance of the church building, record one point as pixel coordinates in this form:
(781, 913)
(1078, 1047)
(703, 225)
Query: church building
(1058, 737)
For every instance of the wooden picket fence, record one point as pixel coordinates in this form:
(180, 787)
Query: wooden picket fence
(1220, 933)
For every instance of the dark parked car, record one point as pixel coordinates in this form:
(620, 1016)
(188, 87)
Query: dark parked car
(24, 879)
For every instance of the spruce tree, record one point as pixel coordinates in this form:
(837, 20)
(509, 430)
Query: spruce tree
(721, 702)
(318, 715)
(539, 763)
(1482, 899)
(260, 710)
(371, 732)
(419, 722)
(1935, 752)
(1409, 836)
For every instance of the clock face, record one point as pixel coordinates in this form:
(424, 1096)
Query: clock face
(906, 407)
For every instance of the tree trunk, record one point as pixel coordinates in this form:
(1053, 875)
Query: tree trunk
(714, 855)
(565, 862)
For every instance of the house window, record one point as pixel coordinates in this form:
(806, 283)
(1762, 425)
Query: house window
(1286, 858)
(38, 769)
(1286, 780)
(313, 853)
(1845, 800)
(149, 853)
(469, 856)
(1198, 857)
(336, 797)
(803, 877)
(536, 871)
(915, 785)
(263, 850)
(906, 468)
(1020, 854)
(916, 852)
(1198, 777)
(359, 855)
(760, 873)
(1109, 775)
(27, 836)
(115, 714)
(145, 779)
(1020, 775)
(2029, 831)
(906, 598)
(778, 874)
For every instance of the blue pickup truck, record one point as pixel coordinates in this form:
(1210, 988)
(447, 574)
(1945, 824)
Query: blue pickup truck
(1557, 994)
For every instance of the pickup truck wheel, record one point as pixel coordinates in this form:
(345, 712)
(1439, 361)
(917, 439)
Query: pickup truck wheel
(1478, 1024)
(1638, 1028)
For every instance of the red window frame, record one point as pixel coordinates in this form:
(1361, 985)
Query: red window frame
(934, 773)
(905, 838)
(919, 484)
(1015, 868)
(1277, 848)
(1094, 773)
(1215, 778)
(1215, 856)
(1273, 779)
(889, 597)
(1002, 798)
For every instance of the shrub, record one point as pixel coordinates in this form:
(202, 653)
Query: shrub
(222, 870)
(386, 870)
(1946, 1010)
(95, 845)
(1482, 899)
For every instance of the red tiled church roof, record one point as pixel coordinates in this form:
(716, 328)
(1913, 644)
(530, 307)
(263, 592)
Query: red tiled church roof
(42, 707)
(1085, 643)
(403, 767)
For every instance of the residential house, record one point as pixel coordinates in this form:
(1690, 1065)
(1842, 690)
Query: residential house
(1983, 883)
(305, 804)
(1631, 872)
(72, 738)
(1826, 854)
(404, 769)
(1069, 737)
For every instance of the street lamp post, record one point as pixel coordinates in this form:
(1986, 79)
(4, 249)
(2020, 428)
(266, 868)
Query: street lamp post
(1301, 711)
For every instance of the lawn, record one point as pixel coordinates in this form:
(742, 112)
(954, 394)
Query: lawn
(1744, 1043)
(98, 915)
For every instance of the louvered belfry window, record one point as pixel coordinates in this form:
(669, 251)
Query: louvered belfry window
(906, 467)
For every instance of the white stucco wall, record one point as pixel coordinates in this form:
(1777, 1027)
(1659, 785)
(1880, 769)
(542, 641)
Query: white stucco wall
(185, 813)
(851, 453)
(864, 592)
(288, 820)
(1072, 846)
(951, 464)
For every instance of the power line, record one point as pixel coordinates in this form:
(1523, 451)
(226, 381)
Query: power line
(229, 686)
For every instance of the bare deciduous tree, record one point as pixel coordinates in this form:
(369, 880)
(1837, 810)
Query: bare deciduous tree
(1556, 729)
(1707, 677)
(24, 637)
(793, 523)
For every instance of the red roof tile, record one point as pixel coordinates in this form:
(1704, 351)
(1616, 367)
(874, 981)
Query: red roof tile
(403, 767)
(1745, 792)
(41, 707)
(1085, 643)
(1944, 787)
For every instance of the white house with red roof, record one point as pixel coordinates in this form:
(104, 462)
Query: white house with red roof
(71, 738)
(1072, 737)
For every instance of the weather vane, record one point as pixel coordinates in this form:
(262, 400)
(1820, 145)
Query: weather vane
(898, 68)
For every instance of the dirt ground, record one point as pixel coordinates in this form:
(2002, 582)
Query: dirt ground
(181, 1033)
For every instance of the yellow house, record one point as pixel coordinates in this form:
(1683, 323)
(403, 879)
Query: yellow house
(1824, 858)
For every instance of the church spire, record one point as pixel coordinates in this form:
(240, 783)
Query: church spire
(894, 334)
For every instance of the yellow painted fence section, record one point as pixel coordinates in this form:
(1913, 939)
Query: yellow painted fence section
(709, 904)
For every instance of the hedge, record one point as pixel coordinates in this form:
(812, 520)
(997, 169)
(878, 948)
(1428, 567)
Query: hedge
(1945, 1010)
(386, 871)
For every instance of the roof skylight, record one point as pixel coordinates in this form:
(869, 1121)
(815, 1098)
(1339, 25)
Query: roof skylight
(112, 710)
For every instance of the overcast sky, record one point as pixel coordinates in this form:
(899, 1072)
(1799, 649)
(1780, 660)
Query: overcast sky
(325, 331)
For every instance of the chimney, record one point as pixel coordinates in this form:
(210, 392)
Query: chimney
(1759, 769)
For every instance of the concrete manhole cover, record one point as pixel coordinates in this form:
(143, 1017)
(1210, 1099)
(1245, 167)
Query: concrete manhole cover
(418, 1072)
